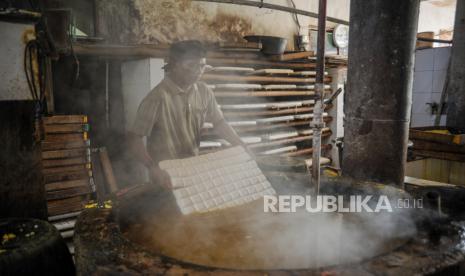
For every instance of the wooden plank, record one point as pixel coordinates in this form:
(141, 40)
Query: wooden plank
(286, 141)
(66, 169)
(281, 93)
(62, 194)
(110, 179)
(268, 71)
(66, 184)
(441, 155)
(247, 45)
(292, 56)
(306, 151)
(426, 183)
(65, 162)
(269, 112)
(61, 145)
(457, 173)
(66, 176)
(66, 137)
(433, 146)
(230, 53)
(55, 154)
(99, 178)
(283, 111)
(65, 119)
(423, 134)
(66, 128)
(63, 206)
(243, 129)
(260, 79)
(256, 63)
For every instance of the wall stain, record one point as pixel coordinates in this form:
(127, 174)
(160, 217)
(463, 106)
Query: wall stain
(169, 21)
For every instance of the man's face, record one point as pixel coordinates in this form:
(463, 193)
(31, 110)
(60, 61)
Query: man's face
(190, 70)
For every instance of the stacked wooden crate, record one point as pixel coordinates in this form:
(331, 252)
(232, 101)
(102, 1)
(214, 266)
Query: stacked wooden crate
(267, 99)
(66, 164)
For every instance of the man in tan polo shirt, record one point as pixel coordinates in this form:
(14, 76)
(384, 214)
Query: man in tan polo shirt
(172, 114)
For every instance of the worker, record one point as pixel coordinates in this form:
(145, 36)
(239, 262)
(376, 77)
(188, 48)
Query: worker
(171, 116)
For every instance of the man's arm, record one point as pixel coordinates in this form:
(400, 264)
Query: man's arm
(139, 150)
(141, 154)
(223, 129)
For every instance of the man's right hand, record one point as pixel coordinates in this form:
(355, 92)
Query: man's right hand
(161, 177)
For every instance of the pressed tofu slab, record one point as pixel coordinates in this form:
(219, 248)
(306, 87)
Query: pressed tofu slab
(216, 180)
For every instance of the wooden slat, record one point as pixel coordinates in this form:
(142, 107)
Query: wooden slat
(292, 56)
(65, 162)
(242, 129)
(256, 63)
(65, 119)
(282, 111)
(247, 45)
(110, 179)
(46, 146)
(229, 53)
(257, 79)
(66, 128)
(98, 176)
(67, 169)
(66, 184)
(286, 141)
(426, 183)
(281, 93)
(432, 146)
(61, 194)
(423, 134)
(441, 155)
(306, 151)
(55, 154)
(63, 206)
(269, 72)
(66, 176)
(269, 112)
(66, 137)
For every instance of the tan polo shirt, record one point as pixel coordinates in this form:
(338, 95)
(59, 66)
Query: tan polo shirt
(172, 119)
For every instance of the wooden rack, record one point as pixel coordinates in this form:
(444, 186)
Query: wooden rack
(289, 74)
(66, 163)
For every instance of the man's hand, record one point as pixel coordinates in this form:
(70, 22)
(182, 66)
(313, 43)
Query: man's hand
(161, 177)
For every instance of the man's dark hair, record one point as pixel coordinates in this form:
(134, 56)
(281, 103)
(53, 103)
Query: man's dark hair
(187, 49)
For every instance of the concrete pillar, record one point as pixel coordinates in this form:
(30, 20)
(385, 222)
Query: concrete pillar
(379, 89)
(456, 86)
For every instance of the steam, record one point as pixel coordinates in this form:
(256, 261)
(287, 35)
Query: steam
(247, 238)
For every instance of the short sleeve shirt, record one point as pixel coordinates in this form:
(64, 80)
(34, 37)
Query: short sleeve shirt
(172, 119)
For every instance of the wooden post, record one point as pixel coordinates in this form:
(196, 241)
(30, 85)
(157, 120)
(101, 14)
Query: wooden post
(112, 187)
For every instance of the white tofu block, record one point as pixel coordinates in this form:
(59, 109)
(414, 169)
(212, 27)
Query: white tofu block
(216, 180)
